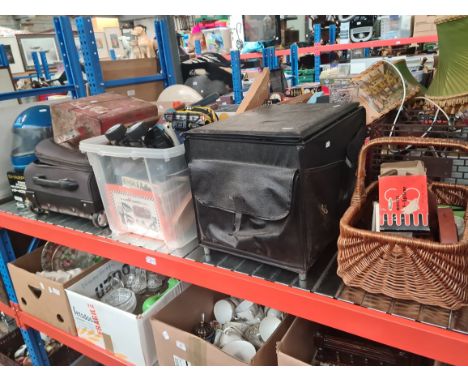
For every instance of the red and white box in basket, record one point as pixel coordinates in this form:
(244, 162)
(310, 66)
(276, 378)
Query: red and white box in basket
(403, 203)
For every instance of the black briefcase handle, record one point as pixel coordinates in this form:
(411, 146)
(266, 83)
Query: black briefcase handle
(63, 184)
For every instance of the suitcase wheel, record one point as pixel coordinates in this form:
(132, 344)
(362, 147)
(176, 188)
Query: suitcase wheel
(99, 219)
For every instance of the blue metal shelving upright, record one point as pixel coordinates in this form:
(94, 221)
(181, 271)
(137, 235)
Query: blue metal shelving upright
(3, 57)
(317, 37)
(295, 64)
(270, 60)
(45, 65)
(37, 64)
(236, 76)
(76, 86)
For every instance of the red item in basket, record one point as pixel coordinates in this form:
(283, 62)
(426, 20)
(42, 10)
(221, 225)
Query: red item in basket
(75, 120)
(403, 203)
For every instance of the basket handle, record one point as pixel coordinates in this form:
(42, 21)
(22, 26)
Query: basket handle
(359, 192)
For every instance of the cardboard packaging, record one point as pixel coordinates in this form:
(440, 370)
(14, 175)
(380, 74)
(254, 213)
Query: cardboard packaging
(87, 117)
(297, 348)
(118, 69)
(424, 26)
(177, 345)
(125, 334)
(403, 197)
(46, 299)
(18, 187)
(302, 341)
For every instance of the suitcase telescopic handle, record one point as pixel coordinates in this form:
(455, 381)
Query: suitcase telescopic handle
(63, 184)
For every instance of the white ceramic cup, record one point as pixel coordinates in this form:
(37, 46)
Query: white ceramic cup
(244, 305)
(270, 312)
(229, 335)
(240, 349)
(248, 311)
(268, 326)
(224, 311)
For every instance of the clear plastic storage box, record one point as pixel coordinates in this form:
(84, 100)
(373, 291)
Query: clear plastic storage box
(145, 191)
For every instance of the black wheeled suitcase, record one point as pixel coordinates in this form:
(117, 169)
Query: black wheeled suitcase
(271, 184)
(62, 180)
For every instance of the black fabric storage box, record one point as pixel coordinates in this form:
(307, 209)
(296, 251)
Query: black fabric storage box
(271, 184)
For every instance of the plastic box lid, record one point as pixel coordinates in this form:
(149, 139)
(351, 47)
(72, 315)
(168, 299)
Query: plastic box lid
(99, 145)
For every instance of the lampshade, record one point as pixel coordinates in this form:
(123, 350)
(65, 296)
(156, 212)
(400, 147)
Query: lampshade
(449, 88)
(381, 89)
(409, 78)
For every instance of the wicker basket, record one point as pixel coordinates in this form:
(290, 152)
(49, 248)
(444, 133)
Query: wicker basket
(405, 268)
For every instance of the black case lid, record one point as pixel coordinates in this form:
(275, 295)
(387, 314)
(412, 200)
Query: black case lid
(295, 122)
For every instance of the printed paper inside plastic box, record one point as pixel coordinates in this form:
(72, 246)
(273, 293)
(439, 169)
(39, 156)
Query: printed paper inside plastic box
(127, 335)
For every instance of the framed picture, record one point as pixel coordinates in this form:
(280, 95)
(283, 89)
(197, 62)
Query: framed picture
(29, 43)
(101, 44)
(113, 40)
(13, 54)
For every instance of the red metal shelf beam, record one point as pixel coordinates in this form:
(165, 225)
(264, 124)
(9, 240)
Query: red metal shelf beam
(94, 352)
(7, 309)
(426, 340)
(317, 49)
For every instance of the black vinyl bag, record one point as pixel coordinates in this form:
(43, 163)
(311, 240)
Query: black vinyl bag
(62, 180)
(271, 184)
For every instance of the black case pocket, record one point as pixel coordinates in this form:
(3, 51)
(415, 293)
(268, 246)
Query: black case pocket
(247, 209)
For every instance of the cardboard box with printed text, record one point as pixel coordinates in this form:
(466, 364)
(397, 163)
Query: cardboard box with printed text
(125, 334)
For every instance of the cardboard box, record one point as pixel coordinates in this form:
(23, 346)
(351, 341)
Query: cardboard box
(127, 335)
(297, 347)
(424, 26)
(43, 298)
(413, 167)
(87, 117)
(120, 69)
(177, 345)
